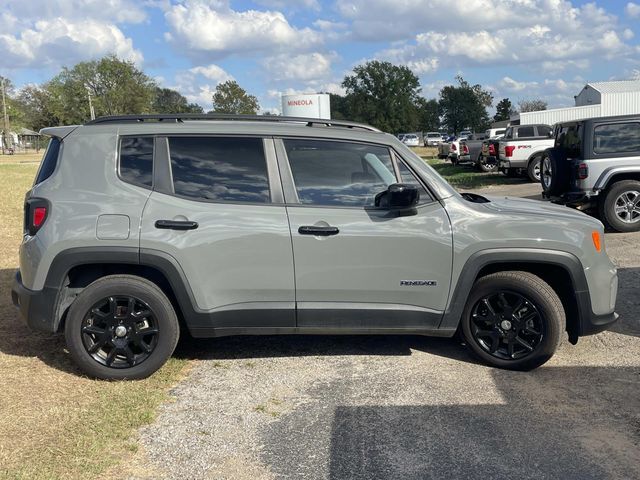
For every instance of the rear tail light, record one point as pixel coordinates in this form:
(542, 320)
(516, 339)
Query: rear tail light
(465, 149)
(36, 211)
(583, 171)
(492, 149)
(453, 147)
(508, 151)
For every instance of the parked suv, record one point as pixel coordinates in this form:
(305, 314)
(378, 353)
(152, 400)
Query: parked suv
(140, 228)
(595, 165)
(521, 150)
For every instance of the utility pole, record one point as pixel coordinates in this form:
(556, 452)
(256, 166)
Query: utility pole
(91, 111)
(5, 119)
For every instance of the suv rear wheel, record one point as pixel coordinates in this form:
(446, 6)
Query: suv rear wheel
(620, 208)
(513, 320)
(121, 327)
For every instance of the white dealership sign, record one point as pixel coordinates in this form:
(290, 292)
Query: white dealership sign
(307, 105)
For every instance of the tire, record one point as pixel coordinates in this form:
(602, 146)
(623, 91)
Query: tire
(454, 160)
(539, 322)
(486, 166)
(620, 207)
(533, 169)
(555, 171)
(104, 307)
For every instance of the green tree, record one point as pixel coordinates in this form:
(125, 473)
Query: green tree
(504, 110)
(116, 87)
(428, 115)
(35, 103)
(532, 105)
(383, 95)
(230, 97)
(167, 100)
(339, 107)
(465, 106)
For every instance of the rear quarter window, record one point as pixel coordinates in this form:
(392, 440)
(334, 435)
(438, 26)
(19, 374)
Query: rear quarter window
(617, 138)
(49, 160)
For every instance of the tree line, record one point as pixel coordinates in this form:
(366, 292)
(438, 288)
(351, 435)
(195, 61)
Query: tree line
(379, 93)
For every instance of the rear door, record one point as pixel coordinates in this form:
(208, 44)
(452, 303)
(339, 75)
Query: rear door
(217, 212)
(356, 266)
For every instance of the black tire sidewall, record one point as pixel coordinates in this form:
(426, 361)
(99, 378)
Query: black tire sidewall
(144, 290)
(560, 171)
(554, 326)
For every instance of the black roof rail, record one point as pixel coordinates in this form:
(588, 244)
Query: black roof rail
(181, 117)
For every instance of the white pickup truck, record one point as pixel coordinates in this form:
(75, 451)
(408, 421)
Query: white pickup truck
(521, 150)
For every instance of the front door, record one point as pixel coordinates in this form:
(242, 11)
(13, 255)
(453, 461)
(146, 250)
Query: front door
(357, 266)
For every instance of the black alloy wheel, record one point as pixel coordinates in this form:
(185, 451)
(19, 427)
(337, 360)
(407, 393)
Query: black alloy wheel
(119, 331)
(507, 325)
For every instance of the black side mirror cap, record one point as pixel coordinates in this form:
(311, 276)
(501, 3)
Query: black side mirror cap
(398, 196)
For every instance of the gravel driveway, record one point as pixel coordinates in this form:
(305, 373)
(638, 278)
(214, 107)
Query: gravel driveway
(404, 407)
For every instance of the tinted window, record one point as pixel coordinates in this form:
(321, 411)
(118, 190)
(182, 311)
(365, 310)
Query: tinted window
(524, 132)
(219, 169)
(544, 131)
(49, 161)
(339, 173)
(569, 137)
(136, 160)
(617, 138)
(407, 177)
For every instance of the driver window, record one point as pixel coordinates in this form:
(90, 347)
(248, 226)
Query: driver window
(339, 173)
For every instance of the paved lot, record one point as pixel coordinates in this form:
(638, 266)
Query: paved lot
(405, 407)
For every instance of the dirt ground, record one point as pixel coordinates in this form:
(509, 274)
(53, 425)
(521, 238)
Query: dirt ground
(404, 407)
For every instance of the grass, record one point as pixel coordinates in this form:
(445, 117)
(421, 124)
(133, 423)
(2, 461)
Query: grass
(55, 423)
(465, 176)
(30, 157)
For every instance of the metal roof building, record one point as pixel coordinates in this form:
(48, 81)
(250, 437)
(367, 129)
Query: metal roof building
(597, 99)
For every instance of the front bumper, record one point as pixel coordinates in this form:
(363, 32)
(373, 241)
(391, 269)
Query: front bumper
(37, 307)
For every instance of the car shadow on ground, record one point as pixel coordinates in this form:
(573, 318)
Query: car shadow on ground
(554, 423)
(273, 346)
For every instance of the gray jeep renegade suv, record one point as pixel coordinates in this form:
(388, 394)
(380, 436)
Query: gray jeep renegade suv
(139, 227)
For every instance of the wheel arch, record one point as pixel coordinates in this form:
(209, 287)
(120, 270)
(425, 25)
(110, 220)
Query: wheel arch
(74, 269)
(616, 174)
(561, 270)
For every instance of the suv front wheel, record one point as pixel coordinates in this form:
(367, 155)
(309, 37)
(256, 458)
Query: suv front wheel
(513, 320)
(121, 327)
(620, 208)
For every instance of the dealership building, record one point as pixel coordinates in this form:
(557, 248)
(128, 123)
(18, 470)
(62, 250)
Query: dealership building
(597, 99)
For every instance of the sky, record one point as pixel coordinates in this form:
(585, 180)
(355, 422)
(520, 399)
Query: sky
(520, 49)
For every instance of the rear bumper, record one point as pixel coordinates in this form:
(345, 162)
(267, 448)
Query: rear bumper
(36, 307)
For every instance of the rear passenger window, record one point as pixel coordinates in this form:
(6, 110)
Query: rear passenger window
(219, 169)
(136, 160)
(617, 138)
(526, 132)
(339, 173)
(544, 131)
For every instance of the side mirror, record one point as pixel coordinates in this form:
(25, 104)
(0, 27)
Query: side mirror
(398, 196)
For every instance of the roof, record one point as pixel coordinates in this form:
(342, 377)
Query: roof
(623, 86)
(26, 131)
